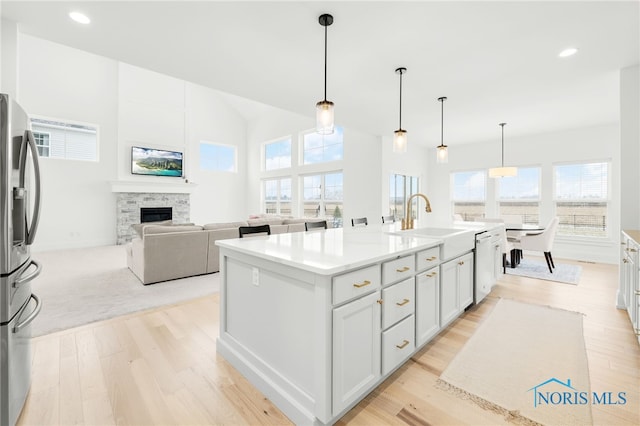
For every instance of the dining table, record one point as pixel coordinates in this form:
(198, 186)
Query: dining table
(518, 230)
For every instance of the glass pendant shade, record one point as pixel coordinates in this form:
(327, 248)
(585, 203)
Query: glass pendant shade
(498, 172)
(400, 141)
(442, 154)
(324, 117)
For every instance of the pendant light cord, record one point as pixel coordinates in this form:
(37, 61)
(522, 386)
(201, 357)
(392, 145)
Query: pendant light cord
(502, 125)
(400, 118)
(325, 62)
(442, 122)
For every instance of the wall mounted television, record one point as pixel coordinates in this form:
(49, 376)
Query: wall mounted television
(155, 162)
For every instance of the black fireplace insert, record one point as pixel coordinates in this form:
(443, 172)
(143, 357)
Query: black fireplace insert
(155, 214)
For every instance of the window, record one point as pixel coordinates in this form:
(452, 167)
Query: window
(581, 196)
(520, 195)
(322, 148)
(42, 143)
(277, 155)
(322, 197)
(277, 196)
(217, 157)
(469, 194)
(401, 187)
(71, 141)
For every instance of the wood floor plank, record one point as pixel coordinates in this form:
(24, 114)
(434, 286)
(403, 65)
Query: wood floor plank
(160, 367)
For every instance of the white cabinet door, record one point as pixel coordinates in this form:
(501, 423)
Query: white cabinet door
(356, 349)
(448, 292)
(427, 305)
(465, 280)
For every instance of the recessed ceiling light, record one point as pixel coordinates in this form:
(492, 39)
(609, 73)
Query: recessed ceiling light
(80, 17)
(568, 52)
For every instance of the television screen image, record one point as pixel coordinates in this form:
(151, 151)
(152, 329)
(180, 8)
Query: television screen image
(155, 162)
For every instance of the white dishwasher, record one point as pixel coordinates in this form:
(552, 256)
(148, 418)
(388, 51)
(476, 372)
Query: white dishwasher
(487, 251)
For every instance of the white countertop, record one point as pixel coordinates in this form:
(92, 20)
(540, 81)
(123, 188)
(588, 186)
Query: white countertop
(331, 251)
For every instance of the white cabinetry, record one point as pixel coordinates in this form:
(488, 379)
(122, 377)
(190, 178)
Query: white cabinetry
(356, 349)
(427, 305)
(456, 287)
(630, 280)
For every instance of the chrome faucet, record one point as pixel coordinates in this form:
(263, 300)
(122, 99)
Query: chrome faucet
(407, 222)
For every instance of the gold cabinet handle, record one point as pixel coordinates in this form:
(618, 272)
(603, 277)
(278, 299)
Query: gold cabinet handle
(625, 261)
(637, 292)
(632, 250)
(430, 259)
(403, 269)
(403, 344)
(365, 283)
(431, 275)
(461, 262)
(404, 302)
(380, 301)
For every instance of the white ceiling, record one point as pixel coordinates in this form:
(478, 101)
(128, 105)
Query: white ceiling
(495, 61)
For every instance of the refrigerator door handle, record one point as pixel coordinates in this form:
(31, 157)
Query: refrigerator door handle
(31, 316)
(31, 276)
(29, 142)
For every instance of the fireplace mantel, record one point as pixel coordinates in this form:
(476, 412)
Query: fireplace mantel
(152, 187)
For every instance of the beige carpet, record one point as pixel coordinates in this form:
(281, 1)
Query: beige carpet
(81, 286)
(518, 347)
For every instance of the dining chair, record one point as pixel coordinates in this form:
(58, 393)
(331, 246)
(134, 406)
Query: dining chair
(541, 242)
(359, 221)
(321, 224)
(388, 219)
(259, 229)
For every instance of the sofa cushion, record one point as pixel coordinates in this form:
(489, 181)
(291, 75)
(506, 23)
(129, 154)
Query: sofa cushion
(137, 227)
(265, 221)
(224, 225)
(168, 229)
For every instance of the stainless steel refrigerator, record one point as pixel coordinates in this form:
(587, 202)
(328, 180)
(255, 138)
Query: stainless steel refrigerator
(19, 214)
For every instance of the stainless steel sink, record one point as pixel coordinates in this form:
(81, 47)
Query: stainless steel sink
(456, 241)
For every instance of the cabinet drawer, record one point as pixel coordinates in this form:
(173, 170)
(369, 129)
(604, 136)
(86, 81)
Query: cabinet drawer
(355, 283)
(398, 301)
(397, 344)
(398, 269)
(428, 258)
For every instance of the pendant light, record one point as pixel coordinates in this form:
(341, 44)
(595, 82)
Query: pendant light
(400, 136)
(324, 108)
(502, 171)
(442, 154)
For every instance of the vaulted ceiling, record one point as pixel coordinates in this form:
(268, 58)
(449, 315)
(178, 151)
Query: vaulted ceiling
(495, 61)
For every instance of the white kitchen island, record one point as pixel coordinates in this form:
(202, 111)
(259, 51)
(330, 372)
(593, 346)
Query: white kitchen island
(316, 320)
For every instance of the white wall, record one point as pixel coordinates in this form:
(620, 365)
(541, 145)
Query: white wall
(78, 209)
(586, 144)
(361, 165)
(219, 196)
(630, 147)
(131, 106)
(9, 57)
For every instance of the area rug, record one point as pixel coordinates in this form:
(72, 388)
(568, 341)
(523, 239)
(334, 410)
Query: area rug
(521, 361)
(562, 273)
(81, 286)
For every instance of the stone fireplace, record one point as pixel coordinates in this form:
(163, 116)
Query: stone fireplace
(129, 205)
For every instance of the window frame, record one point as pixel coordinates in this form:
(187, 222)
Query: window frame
(279, 200)
(274, 141)
(302, 151)
(454, 200)
(65, 123)
(217, 144)
(323, 200)
(513, 201)
(606, 200)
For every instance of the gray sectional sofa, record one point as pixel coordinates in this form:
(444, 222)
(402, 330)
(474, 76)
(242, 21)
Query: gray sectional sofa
(165, 251)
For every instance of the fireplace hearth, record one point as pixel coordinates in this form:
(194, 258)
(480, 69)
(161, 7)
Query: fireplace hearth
(155, 214)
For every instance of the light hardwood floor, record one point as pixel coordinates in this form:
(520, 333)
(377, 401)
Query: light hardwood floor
(160, 367)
